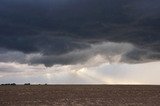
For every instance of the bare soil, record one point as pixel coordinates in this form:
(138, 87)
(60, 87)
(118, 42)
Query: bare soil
(79, 95)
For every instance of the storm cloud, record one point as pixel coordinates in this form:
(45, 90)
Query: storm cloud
(57, 28)
(80, 41)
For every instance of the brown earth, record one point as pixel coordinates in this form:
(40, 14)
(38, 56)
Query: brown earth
(79, 95)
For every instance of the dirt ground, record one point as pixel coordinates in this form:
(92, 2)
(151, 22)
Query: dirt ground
(79, 95)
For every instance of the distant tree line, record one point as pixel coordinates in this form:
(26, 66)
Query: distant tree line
(23, 84)
(9, 84)
(27, 84)
(15, 84)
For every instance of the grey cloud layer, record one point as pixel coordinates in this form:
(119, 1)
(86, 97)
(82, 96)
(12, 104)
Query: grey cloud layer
(57, 28)
(102, 52)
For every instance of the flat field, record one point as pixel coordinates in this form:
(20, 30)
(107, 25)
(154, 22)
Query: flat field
(79, 95)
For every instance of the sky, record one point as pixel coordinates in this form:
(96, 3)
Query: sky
(80, 41)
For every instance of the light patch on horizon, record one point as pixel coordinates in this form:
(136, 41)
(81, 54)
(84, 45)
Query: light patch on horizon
(118, 73)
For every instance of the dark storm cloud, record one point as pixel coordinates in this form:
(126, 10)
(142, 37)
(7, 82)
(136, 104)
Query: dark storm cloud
(57, 27)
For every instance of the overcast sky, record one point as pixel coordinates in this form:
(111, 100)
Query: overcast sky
(80, 41)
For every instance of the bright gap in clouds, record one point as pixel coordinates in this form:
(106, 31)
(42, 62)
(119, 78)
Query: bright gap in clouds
(105, 64)
(145, 73)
